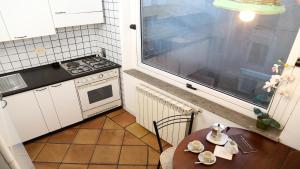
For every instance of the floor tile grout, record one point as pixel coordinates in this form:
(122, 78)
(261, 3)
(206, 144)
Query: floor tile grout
(100, 130)
(96, 143)
(121, 150)
(39, 152)
(64, 156)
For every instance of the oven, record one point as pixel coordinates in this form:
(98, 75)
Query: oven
(99, 92)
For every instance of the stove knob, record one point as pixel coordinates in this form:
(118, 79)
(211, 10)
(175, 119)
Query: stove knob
(100, 76)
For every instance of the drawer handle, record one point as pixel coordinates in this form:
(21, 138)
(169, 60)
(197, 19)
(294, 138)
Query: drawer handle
(1, 99)
(41, 89)
(5, 103)
(56, 85)
(20, 37)
(58, 13)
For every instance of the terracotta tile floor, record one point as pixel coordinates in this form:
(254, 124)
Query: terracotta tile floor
(113, 141)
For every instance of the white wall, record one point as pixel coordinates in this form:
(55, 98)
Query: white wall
(202, 120)
(3, 163)
(291, 135)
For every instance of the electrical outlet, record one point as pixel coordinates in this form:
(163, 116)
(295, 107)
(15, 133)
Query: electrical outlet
(40, 51)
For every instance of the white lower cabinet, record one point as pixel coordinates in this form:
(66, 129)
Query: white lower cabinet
(47, 108)
(66, 103)
(44, 110)
(26, 115)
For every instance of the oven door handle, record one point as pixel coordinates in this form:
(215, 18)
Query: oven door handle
(98, 83)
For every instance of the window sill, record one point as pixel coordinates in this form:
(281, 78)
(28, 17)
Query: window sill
(236, 117)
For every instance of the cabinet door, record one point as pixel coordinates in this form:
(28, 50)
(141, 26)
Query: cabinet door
(66, 103)
(26, 115)
(75, 7)
(66, 20)
(3, 31)
(80, 12)
(25, 19)
(47, 107)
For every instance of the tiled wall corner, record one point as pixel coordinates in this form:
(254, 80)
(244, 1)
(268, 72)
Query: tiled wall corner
(109, 33)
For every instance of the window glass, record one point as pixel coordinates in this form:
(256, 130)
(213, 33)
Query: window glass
(213, 47)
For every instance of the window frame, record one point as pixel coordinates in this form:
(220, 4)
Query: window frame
(241, 106)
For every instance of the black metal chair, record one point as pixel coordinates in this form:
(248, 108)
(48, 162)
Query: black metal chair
(169, 121)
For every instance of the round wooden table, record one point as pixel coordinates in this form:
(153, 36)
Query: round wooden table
(269, 155)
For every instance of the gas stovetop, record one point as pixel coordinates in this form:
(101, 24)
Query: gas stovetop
(88, 64)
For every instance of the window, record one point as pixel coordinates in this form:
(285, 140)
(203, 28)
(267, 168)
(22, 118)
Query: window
(213, 47)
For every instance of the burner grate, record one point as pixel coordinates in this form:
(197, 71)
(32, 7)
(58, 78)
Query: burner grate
(87, 65)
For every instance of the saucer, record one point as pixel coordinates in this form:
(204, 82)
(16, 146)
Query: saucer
(222, 141)
(201, 159)
(190, 148)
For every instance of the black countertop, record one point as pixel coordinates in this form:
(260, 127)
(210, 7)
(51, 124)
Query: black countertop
(47, 75)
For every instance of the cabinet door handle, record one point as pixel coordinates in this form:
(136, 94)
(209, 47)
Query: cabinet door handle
(41, 89)
(20, 37)
(62, 12)
(5, 103)
(56, 85)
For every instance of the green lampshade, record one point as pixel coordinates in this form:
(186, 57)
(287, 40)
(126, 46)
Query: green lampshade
(265, 7)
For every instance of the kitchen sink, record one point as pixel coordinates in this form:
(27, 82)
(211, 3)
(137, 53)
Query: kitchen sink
(11, 82)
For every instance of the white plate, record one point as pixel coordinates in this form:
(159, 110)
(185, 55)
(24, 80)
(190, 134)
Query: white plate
(201, 159)
(222, 141)
(190, 148)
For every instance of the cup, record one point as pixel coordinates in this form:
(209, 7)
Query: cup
(231, 147)
(208, 156)
(196, 145)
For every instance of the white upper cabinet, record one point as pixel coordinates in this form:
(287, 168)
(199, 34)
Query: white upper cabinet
(77, 6)
(3, 31)
(66, 103)
(79, 12)
(27, 18)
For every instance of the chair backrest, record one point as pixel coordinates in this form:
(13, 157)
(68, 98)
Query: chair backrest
(172, 120)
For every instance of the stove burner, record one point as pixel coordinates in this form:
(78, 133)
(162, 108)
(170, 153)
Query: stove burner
(90, 60)
(80, 69)
(72, 65)
(102, 65)
(86, 65)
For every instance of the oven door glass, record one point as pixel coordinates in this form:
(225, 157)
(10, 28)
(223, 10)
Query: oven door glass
(99, 93)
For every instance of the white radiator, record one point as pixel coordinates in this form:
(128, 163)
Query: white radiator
(153, 106)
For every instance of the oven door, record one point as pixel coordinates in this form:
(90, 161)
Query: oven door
(99, 93)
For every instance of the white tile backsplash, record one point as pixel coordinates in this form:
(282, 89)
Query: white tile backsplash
(68, 43)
